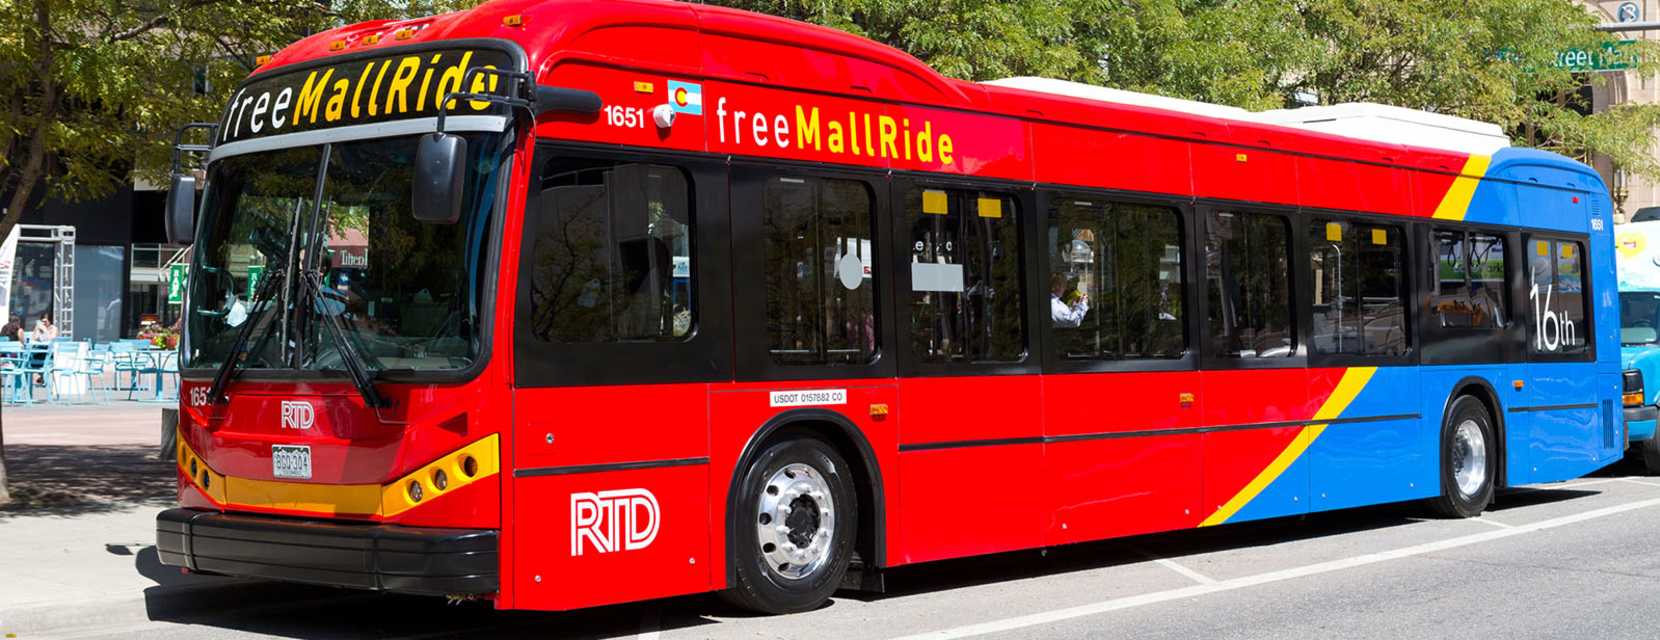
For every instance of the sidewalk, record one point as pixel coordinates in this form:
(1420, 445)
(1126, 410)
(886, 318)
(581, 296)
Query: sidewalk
(86, 484)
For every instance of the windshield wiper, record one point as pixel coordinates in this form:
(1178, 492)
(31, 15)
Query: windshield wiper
(227, 369)
(313, 284)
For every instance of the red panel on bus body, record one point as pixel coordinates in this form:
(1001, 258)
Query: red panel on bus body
(1332, 184)
(738, 412)
(941, 485)
(1073, 155)
(587, 539)
(1240, 173)
(564, 426)
(1113, 486)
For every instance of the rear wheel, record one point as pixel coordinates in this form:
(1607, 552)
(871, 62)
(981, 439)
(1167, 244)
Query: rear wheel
(1469, 460)
(796, 523)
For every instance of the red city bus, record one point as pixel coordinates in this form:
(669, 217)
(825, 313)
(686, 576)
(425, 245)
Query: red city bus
(562, 304)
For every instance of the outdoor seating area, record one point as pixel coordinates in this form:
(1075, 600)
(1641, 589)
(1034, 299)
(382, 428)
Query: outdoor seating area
(66, 371)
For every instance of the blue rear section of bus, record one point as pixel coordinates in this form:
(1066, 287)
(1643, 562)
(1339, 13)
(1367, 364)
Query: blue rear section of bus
(1560, 418)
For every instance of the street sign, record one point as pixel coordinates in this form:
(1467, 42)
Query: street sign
(255, 272)
(1614, 56)
(176, 276)
(1628, 12)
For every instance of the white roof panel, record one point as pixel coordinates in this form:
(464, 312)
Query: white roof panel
(1358, 120)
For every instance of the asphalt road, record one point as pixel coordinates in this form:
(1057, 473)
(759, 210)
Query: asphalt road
(1575, 560)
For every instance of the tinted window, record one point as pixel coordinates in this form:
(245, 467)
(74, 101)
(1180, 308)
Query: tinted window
(611, 253)
(966, 300)
(819, 262)
(1470, 293)
(1487, 290)
(1249, 285)
(1556, 293)
(1115, 287)
(1359, 291)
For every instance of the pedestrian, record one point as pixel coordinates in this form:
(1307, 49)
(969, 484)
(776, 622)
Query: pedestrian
(44, 331)
(13, 330)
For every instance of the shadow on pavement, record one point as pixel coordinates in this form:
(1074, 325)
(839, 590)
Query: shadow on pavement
(300, 611)
(67, 480)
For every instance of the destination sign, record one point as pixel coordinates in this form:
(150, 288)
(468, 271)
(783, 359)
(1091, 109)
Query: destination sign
(361, 91)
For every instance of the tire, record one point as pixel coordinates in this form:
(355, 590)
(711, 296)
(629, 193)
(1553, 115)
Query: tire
(1469, 460)
(794, 493)
(1650, 449)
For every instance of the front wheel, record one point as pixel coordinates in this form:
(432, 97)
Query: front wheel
(1469, 460)
(795, 527)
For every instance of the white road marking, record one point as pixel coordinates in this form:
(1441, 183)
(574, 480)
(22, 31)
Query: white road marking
(1495, 523)
(1117, 604)
(1567, 485)
(1641, 482)
(1178, 568)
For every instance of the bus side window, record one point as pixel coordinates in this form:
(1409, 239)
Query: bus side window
(966, 298)
(1359, 289)
(821, 300)
(1556, 293)
(1115, 289)
(1247, 266)
(611, 257)
(1487, 280)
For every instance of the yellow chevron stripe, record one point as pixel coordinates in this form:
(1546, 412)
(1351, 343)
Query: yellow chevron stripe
(1456, 203)
(1344, 393)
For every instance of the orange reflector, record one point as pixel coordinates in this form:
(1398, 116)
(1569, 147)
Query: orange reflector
(337, 45)
(403, 34)
(1240, 157)
(512, 20)
(1634, 399)
(371, 39)
(261, 60)
(1518, 384)
(1186, 399)
(878, 410)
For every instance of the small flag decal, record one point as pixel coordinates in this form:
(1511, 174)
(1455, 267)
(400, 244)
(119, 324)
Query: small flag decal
(686, 97)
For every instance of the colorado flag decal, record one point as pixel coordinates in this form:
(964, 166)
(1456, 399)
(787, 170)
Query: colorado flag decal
(686, 97)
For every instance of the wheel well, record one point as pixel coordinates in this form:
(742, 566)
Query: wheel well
(845, 438)
(1479, 389)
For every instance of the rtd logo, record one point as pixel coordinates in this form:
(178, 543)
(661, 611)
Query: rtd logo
(298, 414)
(620, 520)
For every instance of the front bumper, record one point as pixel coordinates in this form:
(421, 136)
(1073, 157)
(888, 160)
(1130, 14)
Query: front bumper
(364, 556)
(1640, 421)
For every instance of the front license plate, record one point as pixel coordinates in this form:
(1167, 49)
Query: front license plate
(291, 461)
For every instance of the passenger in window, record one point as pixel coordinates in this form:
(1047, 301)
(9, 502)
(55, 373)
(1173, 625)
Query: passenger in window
(1067, 305)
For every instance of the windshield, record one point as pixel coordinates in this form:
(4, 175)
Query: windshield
(1639, 316)
(409, 294)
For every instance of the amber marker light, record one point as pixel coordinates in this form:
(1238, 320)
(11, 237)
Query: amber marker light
(403, 34)
(337, 45)
(371, 38)
(878, 410)
(512, 20)
(261, 60)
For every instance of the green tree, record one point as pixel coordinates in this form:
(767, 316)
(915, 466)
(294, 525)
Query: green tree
(92, 90)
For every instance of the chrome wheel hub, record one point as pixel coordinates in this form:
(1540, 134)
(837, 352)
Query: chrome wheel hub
(795, 521)
(1469, 458)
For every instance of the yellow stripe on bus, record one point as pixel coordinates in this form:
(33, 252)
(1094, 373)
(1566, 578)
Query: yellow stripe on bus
(482, 457)
(1341, 396)
(1456, 203)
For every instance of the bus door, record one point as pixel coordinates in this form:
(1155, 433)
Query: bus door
(1568, 421)
(620, 326)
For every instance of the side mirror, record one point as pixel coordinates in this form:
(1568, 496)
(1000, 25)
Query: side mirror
(181, 209)
(440, 166)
